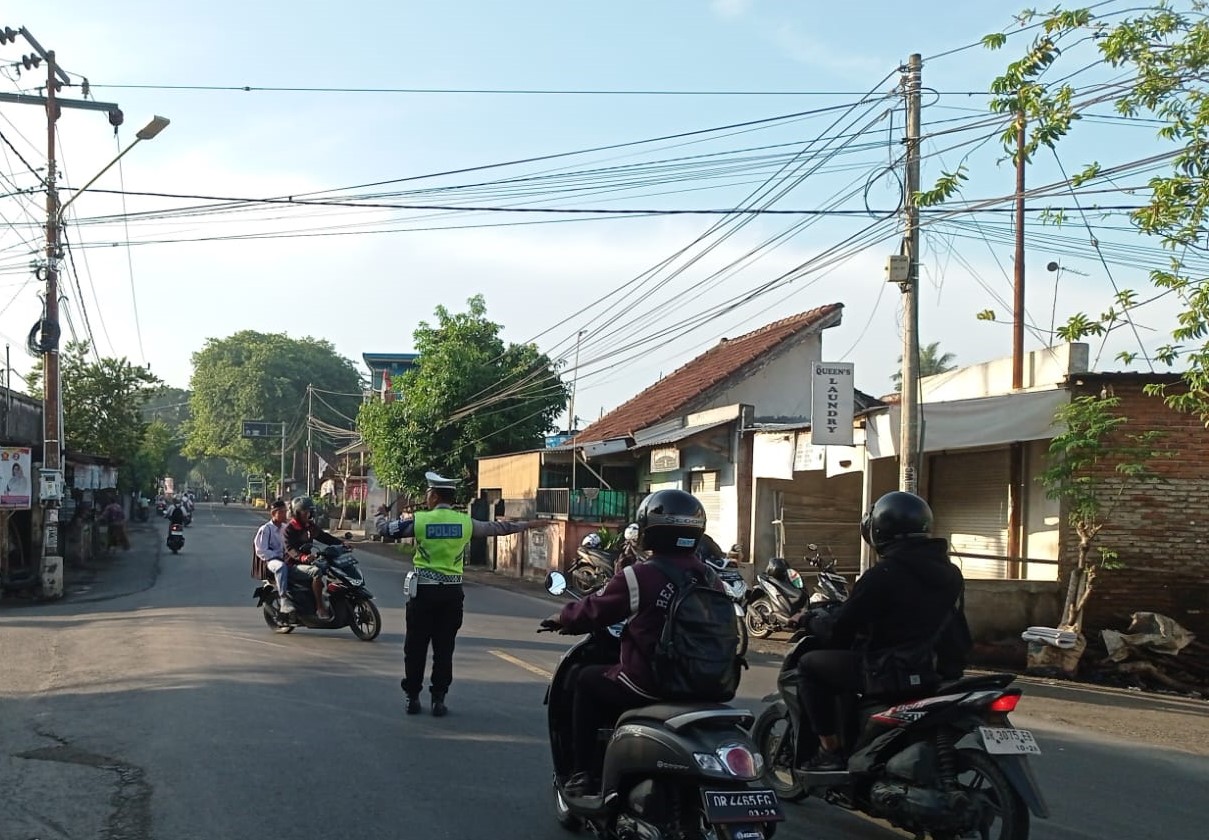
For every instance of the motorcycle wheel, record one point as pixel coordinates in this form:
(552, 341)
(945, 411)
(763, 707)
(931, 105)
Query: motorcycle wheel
(270, 618)
(366, 621)
(176, 551)
(585, 579)
(774, 737)
(758, 618)
(563, 814)
(980, 776)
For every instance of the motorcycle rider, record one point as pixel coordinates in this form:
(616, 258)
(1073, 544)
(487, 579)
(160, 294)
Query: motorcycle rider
(299, 533)
(670, 523)
(435, 602)
(269, 545)
(630, 553)
(904, 598)
(176, 514)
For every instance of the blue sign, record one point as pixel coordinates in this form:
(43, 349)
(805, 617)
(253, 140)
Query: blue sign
(443, 531)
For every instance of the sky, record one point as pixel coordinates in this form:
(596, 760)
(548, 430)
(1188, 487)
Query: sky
(467, 112)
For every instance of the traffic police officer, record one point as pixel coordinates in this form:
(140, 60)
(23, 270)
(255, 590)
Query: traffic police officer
(434, 588)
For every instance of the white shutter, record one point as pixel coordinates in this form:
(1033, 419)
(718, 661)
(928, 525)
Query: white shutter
(970, 500)
(704, 485)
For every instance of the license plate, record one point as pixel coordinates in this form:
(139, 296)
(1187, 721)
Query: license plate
(742, 806)
(1000, 740)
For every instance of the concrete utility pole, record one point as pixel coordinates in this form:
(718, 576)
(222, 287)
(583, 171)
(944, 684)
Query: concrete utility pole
(1018, 285)
(310, 409)
(908, 431)
(571, 408)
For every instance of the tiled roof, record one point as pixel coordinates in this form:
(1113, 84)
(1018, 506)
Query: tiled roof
(679, 388)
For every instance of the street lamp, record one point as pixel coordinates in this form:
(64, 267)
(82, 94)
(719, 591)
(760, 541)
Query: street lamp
(147, 132)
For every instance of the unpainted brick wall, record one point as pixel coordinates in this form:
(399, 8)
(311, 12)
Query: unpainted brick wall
(1160, 530)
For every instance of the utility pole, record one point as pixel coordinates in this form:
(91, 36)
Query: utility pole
(281, 485)
(908, 430)
(1018, 285)
(310, 408)
(571, 408)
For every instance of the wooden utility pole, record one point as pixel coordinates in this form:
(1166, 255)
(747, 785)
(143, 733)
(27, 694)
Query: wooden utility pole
(908, 456)
(310, 409)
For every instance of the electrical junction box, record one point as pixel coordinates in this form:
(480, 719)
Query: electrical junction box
(51, 486)
(898, 268)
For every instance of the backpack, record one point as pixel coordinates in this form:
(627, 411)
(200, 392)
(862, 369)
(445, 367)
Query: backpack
(696, 658)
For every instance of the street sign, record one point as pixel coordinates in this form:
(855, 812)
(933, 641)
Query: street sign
(259, 429)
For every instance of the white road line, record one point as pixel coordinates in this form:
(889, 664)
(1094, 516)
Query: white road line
(520, 663)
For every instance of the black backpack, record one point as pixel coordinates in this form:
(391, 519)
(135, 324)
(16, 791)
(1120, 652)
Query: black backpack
(697, 656)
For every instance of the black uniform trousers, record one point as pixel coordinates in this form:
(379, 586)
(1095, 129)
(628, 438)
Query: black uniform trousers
(433, 617)
(599, 701)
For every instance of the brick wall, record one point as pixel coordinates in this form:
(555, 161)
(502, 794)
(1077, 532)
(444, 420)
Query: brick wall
(1160, 530)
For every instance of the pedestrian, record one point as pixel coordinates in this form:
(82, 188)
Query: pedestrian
(434, 588)
(115, 518)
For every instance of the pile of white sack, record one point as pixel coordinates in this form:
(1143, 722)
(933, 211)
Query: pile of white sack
(1052, 636)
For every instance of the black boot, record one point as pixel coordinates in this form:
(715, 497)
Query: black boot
(413, 704)
(439, 709)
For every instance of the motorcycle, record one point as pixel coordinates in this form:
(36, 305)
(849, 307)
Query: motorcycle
(226, 499)
(176, 537)
(736, 587)
(592, 569)
(771, 603)
(669, 770)
(949, 764)
(351, 604)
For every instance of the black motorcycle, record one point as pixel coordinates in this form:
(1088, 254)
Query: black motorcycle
(592, 569)
(226, 499)
(948, 764)
(351, 604)
(176, 537)
(669, 770)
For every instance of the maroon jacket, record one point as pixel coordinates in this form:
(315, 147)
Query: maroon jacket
(642, 594)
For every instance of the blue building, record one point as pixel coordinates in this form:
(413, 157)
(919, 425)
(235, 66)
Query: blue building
(396, 364)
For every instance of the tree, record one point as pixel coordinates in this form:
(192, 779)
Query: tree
(931, 362)
(469, 395)
(1163, 53)
(263, 376)
(102, 401)
(1092, 463)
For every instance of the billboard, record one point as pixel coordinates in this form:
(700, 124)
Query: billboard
(15, 482)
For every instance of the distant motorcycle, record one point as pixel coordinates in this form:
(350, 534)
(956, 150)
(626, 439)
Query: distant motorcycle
(176, 537)
(351, 603)
(226, 499)
(592, 569)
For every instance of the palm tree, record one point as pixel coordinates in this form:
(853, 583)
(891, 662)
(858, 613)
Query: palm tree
(931, 361)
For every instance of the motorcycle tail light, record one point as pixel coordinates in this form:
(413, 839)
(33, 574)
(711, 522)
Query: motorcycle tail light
(1005, 703)
(739, 760)
(333, 587)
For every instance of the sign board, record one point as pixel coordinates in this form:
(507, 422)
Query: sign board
(832, 400)
(16, 485)
(665, 460)
(260, 429)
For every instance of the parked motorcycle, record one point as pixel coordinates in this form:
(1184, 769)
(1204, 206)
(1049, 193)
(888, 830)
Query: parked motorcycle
(949, 764)
(771, 602)
(351, 603)
(176, 537)
(669, 770)
(592, 569)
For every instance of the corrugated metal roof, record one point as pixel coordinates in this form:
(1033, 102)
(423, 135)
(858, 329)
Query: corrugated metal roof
(671, 436)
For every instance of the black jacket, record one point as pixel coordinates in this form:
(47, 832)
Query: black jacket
(298, 536)
(904, 598)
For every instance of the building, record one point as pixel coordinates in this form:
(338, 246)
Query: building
(388, 367)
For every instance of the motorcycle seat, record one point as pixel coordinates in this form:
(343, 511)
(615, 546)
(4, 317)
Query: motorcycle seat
(680, 715)
(978, 682)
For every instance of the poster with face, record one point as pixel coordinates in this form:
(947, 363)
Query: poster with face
(16, 482)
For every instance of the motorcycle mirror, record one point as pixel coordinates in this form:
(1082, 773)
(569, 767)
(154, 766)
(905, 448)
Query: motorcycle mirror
(556, 583)
(811, 547)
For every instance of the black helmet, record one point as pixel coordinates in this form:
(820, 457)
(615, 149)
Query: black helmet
(300, 504)
(777, 569)
(670, 521)
(896, 516)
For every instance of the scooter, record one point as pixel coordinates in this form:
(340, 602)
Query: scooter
(592, 569)
(176, 537)
(351, 603)
(771, 603)
(669, 770)
(949, 764)
(226, 499)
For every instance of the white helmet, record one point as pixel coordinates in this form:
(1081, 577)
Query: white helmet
(591, 541)
(631, 532)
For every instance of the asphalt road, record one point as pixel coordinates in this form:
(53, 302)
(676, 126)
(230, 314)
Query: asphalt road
(173, 712)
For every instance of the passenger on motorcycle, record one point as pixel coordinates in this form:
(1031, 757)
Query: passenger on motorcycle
(670, 523)
(300, 533)
(905, 598)
(630, 552)
(269, 545)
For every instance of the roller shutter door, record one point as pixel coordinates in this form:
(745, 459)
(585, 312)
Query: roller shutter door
(970, 500)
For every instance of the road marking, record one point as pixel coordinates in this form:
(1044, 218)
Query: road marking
(520, 663)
